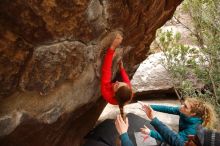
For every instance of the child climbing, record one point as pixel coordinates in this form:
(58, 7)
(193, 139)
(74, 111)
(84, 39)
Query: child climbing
(118, 93)
(192, 113)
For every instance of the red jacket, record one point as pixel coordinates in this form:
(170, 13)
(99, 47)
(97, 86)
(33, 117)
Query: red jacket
(106, 85)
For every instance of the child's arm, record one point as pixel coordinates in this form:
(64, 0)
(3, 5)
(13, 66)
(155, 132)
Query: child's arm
(124, 74)
(166, 109)
(106, 87)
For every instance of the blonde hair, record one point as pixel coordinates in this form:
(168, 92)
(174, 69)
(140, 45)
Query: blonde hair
(203, 110)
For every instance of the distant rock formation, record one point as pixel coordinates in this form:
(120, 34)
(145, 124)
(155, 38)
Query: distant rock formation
(50, 58)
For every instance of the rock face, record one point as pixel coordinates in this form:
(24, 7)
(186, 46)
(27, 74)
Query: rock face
(151, 75)
(50, 58)
(151, 80)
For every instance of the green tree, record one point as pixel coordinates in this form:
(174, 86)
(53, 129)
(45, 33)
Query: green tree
(195, 71)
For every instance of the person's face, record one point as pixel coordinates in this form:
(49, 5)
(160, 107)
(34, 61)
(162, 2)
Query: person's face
(117, 85)
(186, 109)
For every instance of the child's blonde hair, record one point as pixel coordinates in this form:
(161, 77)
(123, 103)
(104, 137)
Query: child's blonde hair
(203, 110)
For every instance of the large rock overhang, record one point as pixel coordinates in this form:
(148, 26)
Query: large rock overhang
(50, 58)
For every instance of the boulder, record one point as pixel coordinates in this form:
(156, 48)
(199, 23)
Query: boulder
(152, 75)
(51, 53)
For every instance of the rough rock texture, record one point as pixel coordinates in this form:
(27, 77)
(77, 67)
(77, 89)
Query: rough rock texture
(152, 79)
(50, 58)
(182, 23)
(68, 130)
(151, 75)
